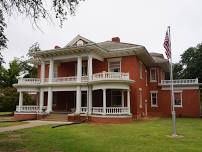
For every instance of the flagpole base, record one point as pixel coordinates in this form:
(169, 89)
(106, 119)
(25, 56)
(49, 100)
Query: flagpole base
(174, 134)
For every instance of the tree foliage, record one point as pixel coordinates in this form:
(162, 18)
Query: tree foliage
(34, 10)
(190, 64)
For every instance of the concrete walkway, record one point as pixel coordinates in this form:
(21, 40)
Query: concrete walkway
(31, 124)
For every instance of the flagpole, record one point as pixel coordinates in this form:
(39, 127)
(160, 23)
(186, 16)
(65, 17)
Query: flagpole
(174, 134)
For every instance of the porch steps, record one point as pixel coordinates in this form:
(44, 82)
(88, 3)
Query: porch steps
(56, 117)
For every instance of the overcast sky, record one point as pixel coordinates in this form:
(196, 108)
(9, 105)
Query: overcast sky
(141, 22)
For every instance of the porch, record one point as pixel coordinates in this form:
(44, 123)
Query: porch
(89, 102)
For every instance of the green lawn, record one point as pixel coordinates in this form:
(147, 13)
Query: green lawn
(140, 136)
(6, 124)
(5, 113)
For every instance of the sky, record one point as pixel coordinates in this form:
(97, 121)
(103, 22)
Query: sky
(141, 22)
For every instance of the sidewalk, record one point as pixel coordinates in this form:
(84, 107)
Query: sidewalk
(31, 124)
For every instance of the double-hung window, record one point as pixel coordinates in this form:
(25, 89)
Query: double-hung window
(114, 65)
(153, 77)
(154, 102)
(178, 98)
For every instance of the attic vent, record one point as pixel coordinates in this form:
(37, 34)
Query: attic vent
(79, 43)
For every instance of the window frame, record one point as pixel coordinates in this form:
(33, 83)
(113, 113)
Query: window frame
(151, 98)
(114, 60)
(153, 80)
(180, 99)
(141, 70)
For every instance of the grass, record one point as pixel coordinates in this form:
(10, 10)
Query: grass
(7, 124)
(5, 113)
(140, 136)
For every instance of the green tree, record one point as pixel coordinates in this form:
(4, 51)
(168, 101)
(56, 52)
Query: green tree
(177, 71)
(191, 61)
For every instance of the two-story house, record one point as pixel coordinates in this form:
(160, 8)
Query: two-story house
(108, 81)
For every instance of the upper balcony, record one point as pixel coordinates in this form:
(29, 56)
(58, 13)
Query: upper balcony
(180, 82)
(73, 79)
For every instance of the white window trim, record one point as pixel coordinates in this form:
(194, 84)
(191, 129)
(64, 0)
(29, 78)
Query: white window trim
(113, 60)
(140, 97)
(178, 91)
(151, 76)
(141, 69)
(146, 79)
(156, 92)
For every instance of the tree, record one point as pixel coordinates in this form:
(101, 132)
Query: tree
(189, 66)
(35, 10)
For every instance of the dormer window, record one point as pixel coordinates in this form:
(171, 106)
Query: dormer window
(79, 43)
(153, 77)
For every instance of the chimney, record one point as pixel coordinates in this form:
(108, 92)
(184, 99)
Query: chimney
(116, 39)
(57, 47)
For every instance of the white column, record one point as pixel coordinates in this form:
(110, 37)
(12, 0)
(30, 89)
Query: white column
(79, 69)
(122, 98)
(51, 70)
(128, 101)
(42, 71)
(20, 101)
(78, 100)
(41, 99)
(90, 100)
(90, 67)
(50, 100)
(104, 101)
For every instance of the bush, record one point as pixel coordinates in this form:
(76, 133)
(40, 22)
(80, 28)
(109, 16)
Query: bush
(9, 98)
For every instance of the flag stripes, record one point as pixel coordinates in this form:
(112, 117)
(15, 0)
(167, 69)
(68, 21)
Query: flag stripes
(167, 46)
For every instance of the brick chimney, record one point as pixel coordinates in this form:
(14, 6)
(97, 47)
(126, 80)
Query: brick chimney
(57, 47)
(116, 39)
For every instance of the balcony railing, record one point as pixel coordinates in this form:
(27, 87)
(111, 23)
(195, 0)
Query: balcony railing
(180, 82)
(73, 79)
(111, 110)
(111, 76)
(29, 108)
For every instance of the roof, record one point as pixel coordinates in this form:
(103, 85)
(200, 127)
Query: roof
(107, 49)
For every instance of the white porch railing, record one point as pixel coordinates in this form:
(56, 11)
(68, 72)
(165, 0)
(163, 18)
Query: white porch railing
(180, 81)
(84, 109)
(111, 76)
(111, 110)
(29, 81)
(29, 108)
(117, 110)
(97, 110)
(72, 79)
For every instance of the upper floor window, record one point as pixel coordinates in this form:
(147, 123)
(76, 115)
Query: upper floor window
(154, 98)
(178, 98)
(140, 66)
(153, 77)
(114, 65)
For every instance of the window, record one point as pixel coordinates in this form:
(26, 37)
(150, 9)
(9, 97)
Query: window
(114, 66)
(84, 99)
(178, 98)
(153, 75)
(84, 69)
(140, 64)
(154, 98)
(146, 77)
(140, 97)
(55, 72)
(116, 98)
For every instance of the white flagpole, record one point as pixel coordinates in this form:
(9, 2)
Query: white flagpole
(172, 90)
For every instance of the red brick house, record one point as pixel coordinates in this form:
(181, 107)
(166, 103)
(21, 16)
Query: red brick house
(108, 81)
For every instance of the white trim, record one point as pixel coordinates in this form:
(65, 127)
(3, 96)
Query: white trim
(140, 70)
(181, 105)
(151, 99)
(181, 88)
(114, 59)
(154, 80)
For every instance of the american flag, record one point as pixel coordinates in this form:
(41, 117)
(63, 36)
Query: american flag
(166, 45)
